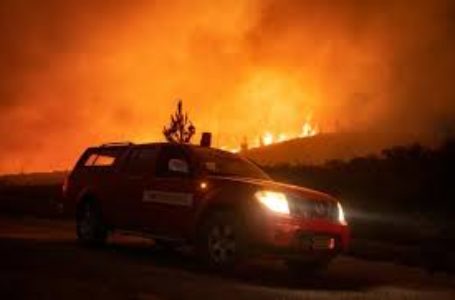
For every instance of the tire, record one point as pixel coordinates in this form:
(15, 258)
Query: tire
(221, 241)
(297, 267)
(89, 225)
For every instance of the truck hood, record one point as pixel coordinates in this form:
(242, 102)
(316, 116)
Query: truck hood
(288, 189)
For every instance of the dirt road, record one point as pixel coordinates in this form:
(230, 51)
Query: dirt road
(39, 259)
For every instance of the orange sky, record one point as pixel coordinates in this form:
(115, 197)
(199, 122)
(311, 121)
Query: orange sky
(77, 73)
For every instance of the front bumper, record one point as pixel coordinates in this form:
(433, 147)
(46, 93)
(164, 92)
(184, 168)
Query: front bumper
(297, 237)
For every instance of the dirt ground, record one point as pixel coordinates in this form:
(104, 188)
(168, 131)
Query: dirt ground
(40, 259)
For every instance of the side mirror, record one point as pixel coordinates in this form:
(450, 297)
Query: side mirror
(178, 166)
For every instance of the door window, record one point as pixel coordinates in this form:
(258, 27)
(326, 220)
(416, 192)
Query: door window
(173, 162)
(141, 161)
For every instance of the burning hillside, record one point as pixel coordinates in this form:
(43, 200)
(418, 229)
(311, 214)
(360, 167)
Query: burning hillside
(308, 129)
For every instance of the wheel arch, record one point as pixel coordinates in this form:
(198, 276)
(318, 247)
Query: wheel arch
(226, 198)
(85, 196)
(213, 208)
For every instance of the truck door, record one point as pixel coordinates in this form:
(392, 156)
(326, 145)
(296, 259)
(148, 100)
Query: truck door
(169, 198)
(135, 176)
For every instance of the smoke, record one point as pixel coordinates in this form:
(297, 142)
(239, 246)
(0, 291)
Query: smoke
(375, 64)
(76, 73)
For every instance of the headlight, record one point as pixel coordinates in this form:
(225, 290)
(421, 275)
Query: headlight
(274, 201)
(341, 217)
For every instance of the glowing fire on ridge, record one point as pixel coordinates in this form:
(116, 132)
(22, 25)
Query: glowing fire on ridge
(269, 138)
(308, 130)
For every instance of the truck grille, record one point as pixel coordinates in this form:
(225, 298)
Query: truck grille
(313, 209)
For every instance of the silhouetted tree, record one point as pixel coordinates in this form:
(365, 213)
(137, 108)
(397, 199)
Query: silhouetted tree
(244, 145)
(261, 141)
(180, 130)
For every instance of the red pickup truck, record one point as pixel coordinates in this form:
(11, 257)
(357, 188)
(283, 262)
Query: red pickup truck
(220, 203)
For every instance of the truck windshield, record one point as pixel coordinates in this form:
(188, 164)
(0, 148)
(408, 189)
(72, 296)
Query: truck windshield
(217, 162)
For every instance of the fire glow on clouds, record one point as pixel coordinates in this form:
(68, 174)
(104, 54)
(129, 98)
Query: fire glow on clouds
(78, 72)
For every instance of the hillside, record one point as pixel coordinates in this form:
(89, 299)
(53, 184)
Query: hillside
(34, 179)
(330, 146)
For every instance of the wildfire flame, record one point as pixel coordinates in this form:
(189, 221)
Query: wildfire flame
(269, 137)
(308, 129)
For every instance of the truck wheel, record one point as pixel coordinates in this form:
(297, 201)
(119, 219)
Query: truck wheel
(221, 240)
(90, 228)
(297, 267)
